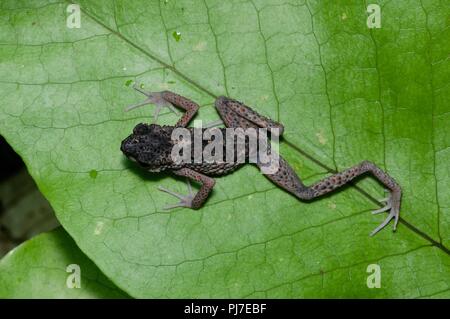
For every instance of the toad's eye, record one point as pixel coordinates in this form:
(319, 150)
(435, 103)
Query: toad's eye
(140, 129)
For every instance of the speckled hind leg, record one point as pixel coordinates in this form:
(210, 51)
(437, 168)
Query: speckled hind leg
(287, 179)
(237, 114)
(191, 200)
(167, 99)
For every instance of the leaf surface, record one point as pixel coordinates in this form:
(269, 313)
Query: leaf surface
(344, 92)
(42, 266)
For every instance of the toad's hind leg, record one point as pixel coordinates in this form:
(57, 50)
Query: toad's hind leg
(237, 114)
(286, 178)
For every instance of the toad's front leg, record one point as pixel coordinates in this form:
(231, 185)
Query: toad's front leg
(191, 200)
(167, 99)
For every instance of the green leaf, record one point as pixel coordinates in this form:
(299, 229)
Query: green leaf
(344, 92)
(38, 269)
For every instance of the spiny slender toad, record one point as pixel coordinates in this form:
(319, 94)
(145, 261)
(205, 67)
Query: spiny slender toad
(150, 145)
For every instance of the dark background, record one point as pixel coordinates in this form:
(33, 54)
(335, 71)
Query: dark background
(24, 212)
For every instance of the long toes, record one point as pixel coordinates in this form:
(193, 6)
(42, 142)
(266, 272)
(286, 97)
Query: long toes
(137, 88)
(384, 200)
(168, 191)
(395, 222)
(396, 218)
(185, 201)
(133, 106)
(156, 112)
(189, 186)
(172, 108)
(396, 211)
(381, 210)
(382, 225)
(160, 105)
(169, 207)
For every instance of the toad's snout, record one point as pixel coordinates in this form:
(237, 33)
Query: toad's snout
(128, 146)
